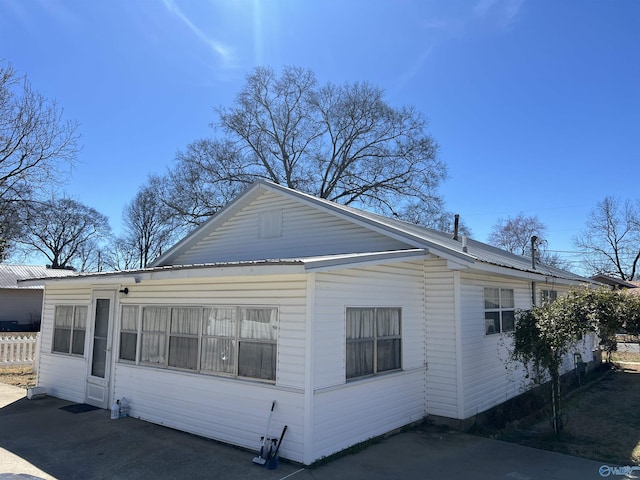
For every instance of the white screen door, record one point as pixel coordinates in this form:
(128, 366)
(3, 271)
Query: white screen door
(100, 349)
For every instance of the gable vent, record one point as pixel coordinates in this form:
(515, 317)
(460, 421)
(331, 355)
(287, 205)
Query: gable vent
(270, 224)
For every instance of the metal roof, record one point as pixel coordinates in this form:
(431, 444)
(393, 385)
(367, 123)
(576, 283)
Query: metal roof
(10, 274)
(438, 243)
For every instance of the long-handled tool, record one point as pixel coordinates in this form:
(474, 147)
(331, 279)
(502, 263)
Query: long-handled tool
(261, 459)
(273, 461)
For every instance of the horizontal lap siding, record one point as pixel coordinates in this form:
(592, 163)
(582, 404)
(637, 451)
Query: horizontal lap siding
(226, 409)
(397, 285)
(288, 293)
(306, 231)
(346, 413)
(442, 390)
(489, 378)
(64, 376)
(365, 409)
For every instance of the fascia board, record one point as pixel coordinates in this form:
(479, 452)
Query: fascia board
(203, 230)
(527, 275)
(104, 279)
(321, 264)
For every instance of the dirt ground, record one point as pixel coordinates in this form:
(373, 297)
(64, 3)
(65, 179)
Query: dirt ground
(18, 376)
(601, 421)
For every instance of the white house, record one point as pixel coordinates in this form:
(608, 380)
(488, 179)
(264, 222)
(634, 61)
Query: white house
(355, 324)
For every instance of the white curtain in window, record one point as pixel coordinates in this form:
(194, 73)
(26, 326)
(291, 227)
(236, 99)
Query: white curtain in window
(154, 341)
(388, 322)
(185, 321)
(183, 340)
(259, 323)
(506, 300)
(63, 316)
(219, 322)
(130, 318)
(63, 321)
(79, 329)
(155, 319)
(360, 338)
(129, 332)
(360, 323)
(218, 354)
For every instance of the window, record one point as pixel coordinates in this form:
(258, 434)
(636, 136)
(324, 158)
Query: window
(257, 343)
(238, 341)
(129, 333)
(155, 321)
(549, 296)
(499, 310)
(69, 327)
(373, 341)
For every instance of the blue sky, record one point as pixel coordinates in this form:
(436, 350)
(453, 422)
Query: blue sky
(535, 104)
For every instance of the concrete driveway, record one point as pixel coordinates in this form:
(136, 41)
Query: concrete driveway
(38, 440)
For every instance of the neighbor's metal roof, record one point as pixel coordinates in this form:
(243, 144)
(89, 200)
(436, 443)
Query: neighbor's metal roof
(10, 274)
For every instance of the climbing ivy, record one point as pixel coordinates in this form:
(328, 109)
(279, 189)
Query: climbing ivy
(546, 334)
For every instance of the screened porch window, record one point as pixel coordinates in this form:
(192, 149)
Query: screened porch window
(129, 333)
(69, 328)
(373, 341)
(229, 340)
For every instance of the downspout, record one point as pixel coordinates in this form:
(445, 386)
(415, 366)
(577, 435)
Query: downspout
(309, 382)
(534, 239)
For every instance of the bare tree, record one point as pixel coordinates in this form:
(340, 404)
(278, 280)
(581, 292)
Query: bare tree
(61, 228)
(343, 143)
(119, 255)
(611, 240)
(36, 143)
(149, 229)
(513, 234)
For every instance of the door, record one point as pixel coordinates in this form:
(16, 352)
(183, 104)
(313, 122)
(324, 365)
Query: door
(99, 368)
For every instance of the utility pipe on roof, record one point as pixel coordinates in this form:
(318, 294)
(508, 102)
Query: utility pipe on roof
(534, 239)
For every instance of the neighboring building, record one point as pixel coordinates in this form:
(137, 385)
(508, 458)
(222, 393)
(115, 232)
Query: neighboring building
(616, 283)
(354, 323)
(21, 305)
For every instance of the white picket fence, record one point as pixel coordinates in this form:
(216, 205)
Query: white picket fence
(18, 350)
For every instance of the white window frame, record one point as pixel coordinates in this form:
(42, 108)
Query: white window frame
(165, 336)
(501, 308)
(548, 296)
(73, 329)
(375, 339)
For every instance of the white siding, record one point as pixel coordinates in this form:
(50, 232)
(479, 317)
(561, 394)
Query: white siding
(306, 231)
(365, 409)
(489, 378)
(442, 376)
(63, 376)
(226, 409)
(346, 413)
(288, 293)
